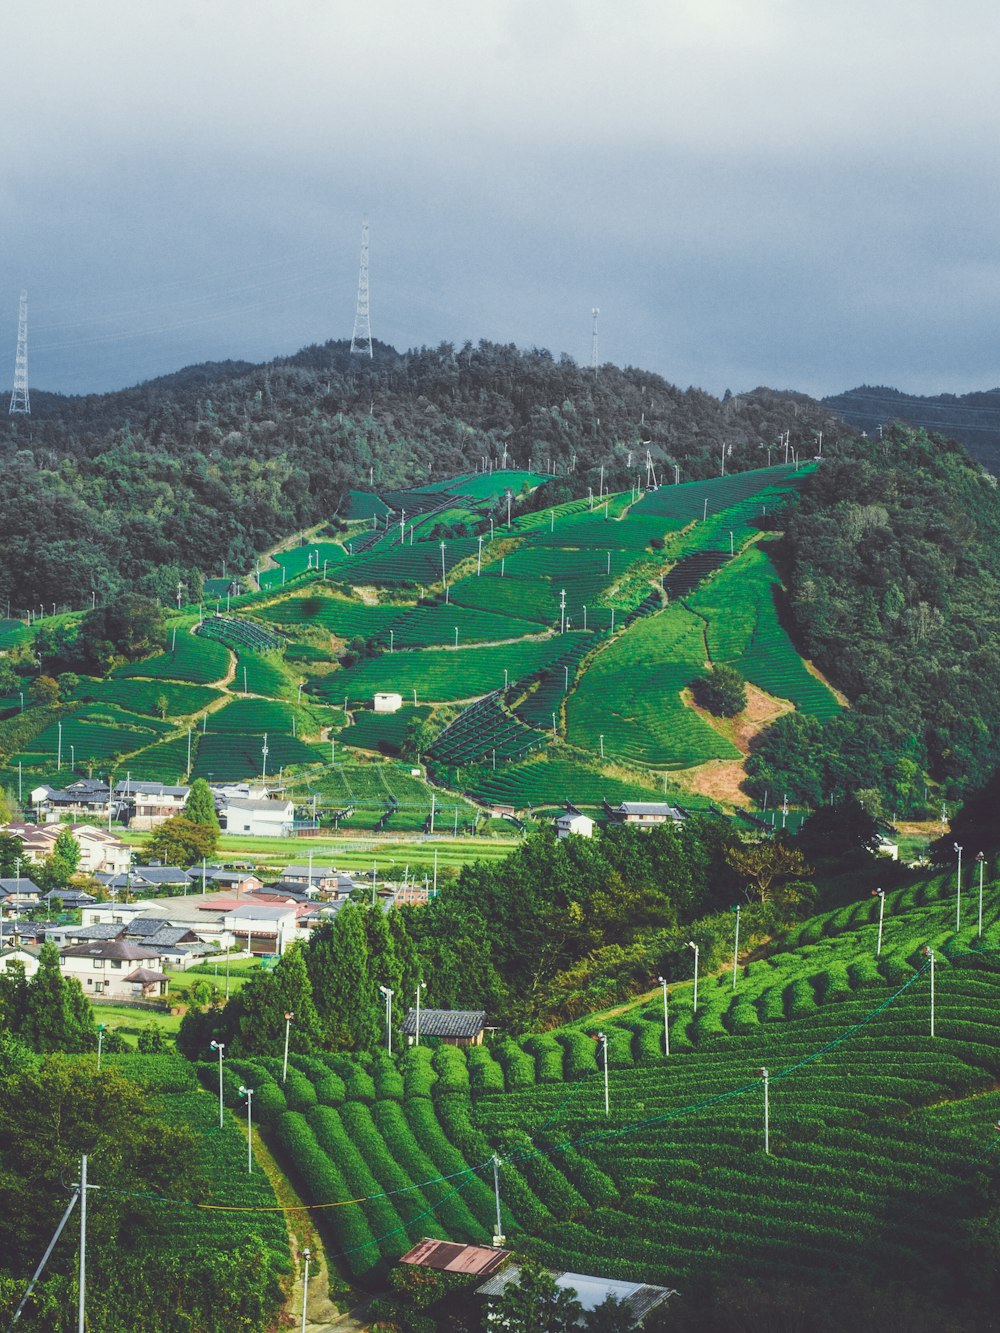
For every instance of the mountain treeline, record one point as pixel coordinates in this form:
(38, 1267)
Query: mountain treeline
(891, 556)
(971, 418)
(163, 483)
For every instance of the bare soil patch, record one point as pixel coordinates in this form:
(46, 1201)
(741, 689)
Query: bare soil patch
(721, 779)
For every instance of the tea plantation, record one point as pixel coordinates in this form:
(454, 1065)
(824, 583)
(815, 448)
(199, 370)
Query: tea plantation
(878, 1130)
(574, 629)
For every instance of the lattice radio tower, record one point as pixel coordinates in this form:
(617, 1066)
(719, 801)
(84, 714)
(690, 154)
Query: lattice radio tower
(361, 339)
(19, 400)
(593, 342)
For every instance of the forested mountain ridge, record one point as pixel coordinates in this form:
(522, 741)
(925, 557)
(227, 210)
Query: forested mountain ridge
(971, 418)
(891, 557)
(166, 481)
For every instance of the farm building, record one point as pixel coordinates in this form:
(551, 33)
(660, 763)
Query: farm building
(571, 821)
(646, 814)
(447, 1256)
(638, 1298)
(455, 1027)
(388, 703)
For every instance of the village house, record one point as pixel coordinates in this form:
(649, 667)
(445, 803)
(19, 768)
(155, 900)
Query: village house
(258, 818)
(115, 969)
(264, 928)
(18, 892)
(144, 805)
(239, 881)
(646, 814)
(19, 955)
(99, 850)
(85, 798)
(572, 821)
(142, 879)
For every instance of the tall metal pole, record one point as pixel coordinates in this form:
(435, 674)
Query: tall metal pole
(82, 1305)
(929, 953)
(736, 943)
(284, 1064)
(981, 858)
(248, 1094)
(603, 1039)
(666, 1017)
(498, 1238)
(691, 945)
(421, 985)
(880, 894)
(958, 889)
(305, 1287)
(767, 1111)
(219, 1046)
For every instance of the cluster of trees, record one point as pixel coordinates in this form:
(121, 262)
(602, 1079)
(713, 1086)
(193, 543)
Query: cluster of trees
(140, 490)
(723, 691)
(554, 929)
(184, 840)
(892, 560)
(49, 1012)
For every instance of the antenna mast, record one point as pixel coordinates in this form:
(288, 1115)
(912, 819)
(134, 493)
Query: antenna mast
(19, 401)
(361, 339)
(593, 342)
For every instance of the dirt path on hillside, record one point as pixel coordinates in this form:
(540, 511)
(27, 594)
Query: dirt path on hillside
(322, 1313)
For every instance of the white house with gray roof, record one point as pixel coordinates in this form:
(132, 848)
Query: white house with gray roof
(258, 819)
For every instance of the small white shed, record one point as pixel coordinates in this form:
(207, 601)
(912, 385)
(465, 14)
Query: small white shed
(388, 703)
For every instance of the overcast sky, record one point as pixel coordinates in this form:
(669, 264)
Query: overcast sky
(798, 193)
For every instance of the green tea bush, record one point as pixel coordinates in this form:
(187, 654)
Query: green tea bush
(358, 1083)
(419, 1074)
(386, 1077)
(452, 1071)
(518, 1066)
(485, 1074)
(548, 1058)
(329, 1086)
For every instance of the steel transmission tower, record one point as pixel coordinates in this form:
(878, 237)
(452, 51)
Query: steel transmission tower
(361, 339)
(19, 401)
(593, 342)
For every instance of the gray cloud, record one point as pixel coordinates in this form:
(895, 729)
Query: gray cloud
(753, 191)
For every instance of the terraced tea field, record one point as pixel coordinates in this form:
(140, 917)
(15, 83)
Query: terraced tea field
(876, 1126)
(657, 588)
(441, 674)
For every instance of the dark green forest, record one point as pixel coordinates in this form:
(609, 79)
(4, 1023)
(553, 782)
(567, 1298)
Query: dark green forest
(891, 558)
(175, 478)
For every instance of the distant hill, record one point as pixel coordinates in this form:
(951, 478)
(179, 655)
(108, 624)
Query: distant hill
(206, 468)
(971, 418)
